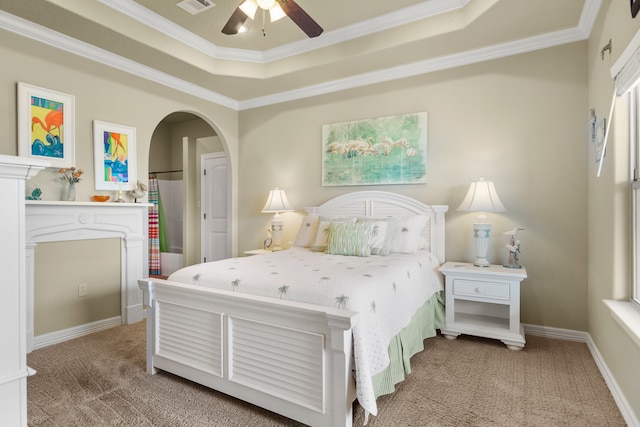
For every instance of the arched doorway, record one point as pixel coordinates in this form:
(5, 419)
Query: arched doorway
(177, 146)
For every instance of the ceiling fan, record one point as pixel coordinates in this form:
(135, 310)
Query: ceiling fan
(277, 9)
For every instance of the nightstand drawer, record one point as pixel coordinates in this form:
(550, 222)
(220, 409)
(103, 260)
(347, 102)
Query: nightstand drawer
(480, 289)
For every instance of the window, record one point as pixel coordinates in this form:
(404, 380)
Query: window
(627, 76)
(634, 126)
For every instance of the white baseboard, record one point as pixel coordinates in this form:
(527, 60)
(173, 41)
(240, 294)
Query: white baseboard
(77, 331)
(570, 335)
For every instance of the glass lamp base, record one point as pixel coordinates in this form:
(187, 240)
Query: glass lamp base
(481, 262)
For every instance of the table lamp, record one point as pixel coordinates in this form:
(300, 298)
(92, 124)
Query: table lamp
(481, 197)
(276, 202)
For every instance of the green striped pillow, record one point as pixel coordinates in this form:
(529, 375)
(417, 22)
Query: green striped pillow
(352, 239)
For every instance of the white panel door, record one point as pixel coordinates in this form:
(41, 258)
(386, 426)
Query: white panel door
(215, 239)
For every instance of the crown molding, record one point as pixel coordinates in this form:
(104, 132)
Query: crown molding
(171, 29)
(399, 17)
(588, 16)
(422, 67)
(394, 19)
(52, 38)
(63, 42)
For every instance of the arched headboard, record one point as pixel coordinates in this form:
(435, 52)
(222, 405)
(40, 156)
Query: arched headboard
(386, 204)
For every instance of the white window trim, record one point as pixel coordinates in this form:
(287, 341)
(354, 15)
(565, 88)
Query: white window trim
(627, 314)
(634, 168)
(626, 72)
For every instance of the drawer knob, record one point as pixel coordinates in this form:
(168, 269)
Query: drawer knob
(478, 290)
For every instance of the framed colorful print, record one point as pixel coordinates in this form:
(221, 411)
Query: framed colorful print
(46, 127)
(386, 150)
(115, 156)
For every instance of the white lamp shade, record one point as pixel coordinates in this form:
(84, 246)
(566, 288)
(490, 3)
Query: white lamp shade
(249, 7)
(481, 197)
(276, 12)
(266, 4)
(277, 202)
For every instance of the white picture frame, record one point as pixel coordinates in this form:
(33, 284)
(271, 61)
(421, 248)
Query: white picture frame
(46, 125)
(115, 162)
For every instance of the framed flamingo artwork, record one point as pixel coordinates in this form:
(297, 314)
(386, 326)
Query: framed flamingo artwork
(385, 150)
(46, 128)
(115, 156)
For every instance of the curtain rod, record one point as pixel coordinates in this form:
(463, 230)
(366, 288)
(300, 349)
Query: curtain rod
(155, 173)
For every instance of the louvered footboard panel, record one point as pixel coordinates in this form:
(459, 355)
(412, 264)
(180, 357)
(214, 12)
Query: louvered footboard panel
(282, 362)
(190, 336)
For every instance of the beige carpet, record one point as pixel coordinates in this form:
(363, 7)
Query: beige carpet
(100, 380)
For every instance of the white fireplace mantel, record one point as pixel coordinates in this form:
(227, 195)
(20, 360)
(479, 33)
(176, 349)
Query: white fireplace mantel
(14, 171)
(51, 221)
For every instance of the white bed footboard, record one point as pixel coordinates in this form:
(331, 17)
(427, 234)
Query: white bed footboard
(290, 358)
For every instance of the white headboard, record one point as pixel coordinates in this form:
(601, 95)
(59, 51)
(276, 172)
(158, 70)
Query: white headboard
(386, 204)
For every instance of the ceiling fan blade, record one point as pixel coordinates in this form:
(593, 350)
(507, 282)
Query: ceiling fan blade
(235, 22)
(300, 18)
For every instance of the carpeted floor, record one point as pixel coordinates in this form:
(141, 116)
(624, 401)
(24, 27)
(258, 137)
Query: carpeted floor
(100, 380)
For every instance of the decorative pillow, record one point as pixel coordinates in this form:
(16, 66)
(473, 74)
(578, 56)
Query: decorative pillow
(382, 234)
(350, 239)
(307, 231)
(408, 238)
(422, 243)
(322, 234)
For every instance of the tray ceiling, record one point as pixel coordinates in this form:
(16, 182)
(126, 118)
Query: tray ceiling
(364, 41)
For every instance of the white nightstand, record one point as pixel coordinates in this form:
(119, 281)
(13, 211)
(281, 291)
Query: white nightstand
(484, 301)
(257, 252)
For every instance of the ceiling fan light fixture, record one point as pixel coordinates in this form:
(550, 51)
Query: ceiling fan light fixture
(266, 4)
(249, 7)
(276, 12)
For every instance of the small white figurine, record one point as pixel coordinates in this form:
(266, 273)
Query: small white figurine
(267, 240)
(138, 192)
(514, 249)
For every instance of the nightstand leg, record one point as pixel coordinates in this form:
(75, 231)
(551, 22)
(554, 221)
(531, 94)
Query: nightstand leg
(449, 335)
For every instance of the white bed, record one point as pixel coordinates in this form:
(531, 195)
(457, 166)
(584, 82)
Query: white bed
(270, 346)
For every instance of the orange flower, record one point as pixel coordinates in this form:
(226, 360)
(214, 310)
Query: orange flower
(71, 175)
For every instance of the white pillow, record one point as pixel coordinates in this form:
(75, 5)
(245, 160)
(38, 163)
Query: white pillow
(408, 238)
(307, 232)
(382, 234)
(322, 234)
(422, 243)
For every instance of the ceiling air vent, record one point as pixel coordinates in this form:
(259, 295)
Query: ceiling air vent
(195, 6)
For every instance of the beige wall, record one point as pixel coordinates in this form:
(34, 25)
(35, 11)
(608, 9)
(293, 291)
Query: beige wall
(101, 93)
(94, 263)
(609, 228)
(518, 121)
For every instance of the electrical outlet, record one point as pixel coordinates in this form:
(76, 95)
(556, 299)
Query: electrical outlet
(82, 290)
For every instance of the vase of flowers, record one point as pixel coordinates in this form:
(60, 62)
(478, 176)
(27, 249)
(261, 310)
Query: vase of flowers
(71, 176)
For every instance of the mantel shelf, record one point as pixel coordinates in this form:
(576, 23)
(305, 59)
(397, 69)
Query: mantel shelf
(65, 203)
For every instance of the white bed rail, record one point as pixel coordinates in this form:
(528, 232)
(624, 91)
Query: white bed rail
(291, 358)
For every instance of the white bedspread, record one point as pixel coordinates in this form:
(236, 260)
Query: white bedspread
(386, 291)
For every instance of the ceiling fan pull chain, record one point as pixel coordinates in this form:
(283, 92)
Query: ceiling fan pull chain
(264, 34)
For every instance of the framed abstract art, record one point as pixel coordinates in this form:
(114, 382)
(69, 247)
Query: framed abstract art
(115, 156)
(384, 150)
(46, 128)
